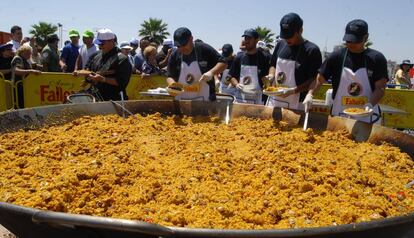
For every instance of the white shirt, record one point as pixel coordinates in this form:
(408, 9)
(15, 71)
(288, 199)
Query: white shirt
(16, 45)
(85, 53)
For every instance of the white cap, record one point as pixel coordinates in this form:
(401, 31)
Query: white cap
(168, 42)
(125, 45)
(261, 44)
(104, 34)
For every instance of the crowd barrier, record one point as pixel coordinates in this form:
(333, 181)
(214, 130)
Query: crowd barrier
(52, 88)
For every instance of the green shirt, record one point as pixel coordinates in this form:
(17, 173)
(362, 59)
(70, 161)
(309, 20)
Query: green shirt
(50, 59)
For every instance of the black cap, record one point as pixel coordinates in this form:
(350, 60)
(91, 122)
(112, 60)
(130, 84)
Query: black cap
(52, 37)
(181, 36)
(289, 24)
(251, 33)
(355, 31)
(226, 50)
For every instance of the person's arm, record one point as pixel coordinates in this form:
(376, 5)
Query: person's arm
(78, 64)
(62, 59)
(315, 62)
(316, 84)
(378, 91)
(102, 79)
(164, 62)
(5, 71)
(173, 69)
(23, 72)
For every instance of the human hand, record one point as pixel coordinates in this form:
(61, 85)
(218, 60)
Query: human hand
(207, 76)
(368, 107)
(308, 102)
(64, 67)
(239, 87)
(96, 77)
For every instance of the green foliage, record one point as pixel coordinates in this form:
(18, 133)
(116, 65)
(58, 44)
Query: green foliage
(155, 29)
(266, 35)
(41, 31)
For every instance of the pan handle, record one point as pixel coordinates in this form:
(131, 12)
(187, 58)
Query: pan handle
(73, 221)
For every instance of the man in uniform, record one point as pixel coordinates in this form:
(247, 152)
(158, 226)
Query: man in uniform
(294, 65)
(112, 68)
(193, 65)
(248, 69)
(358, 74)
(50, 54)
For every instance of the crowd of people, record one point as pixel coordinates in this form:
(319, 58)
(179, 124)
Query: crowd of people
(296, 65)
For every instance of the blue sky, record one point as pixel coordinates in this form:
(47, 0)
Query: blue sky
(223, 21)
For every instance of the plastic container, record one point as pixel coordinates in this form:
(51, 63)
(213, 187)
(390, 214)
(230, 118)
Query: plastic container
(328, 97)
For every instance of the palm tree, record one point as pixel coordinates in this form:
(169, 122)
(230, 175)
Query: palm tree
(155, 29)
(41, 31)
(266, 35)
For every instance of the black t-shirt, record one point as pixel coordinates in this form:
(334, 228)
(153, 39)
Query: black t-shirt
(373, 60)
(308, 58)
(5, 63)
(113, 65)
(207, 58)
(259, 59)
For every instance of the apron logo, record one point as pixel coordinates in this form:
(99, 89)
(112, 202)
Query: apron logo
(227, 80)
(355, 89)
(281, 77)
(190, 79)
(247, 80)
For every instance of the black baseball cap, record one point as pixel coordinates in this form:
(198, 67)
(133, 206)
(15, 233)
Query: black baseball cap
(289, 24)
(251, 33)
(181, 36)
(226, 50)
(355, 31)
(52, 37)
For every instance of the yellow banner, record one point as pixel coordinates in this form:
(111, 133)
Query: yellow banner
(49, 88)
(53, 88)
(138, 84)
(403, 100)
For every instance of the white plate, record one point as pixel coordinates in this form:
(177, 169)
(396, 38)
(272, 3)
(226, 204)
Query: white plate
(359, 114)
(274, 93)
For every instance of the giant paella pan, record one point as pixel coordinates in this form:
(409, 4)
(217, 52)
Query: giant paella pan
(275, 181)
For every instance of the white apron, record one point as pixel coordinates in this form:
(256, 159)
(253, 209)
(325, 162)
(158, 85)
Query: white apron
(354, 90)
(249, 79)
(225, 85)
(189, 78)
(285, 76)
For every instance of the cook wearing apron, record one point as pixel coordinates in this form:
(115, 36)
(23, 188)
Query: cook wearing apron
(248, 69)
(193, 65)
(193, 89)
(225, 80)
(250, 90)
(358, 74)
(285, 77)
(294, 65)
(225, 83)
(354, 91)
